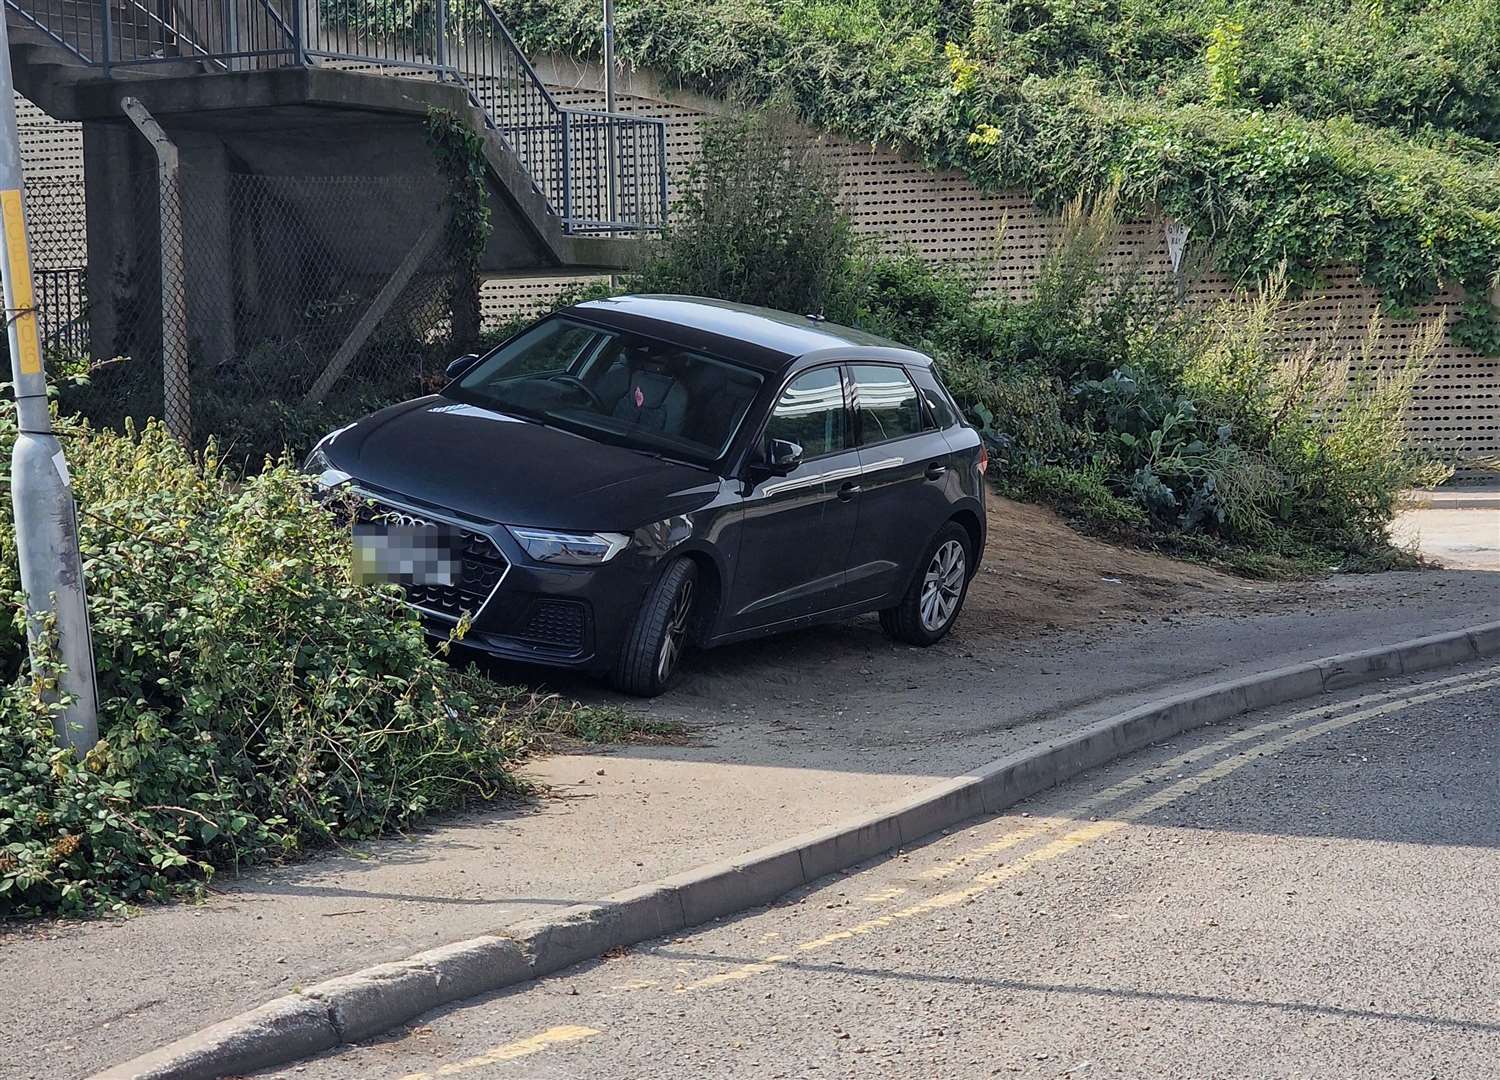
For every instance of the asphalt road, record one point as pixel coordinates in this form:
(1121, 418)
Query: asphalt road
(1307, 892)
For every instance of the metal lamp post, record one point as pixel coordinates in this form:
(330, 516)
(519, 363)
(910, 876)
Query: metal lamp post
(41, 492)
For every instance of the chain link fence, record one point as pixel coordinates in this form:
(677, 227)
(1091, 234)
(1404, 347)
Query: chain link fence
(284, 313)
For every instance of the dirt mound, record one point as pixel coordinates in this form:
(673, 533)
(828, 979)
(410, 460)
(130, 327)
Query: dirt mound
(1039, 574)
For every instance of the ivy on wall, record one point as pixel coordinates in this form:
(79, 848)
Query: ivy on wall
(458, 152)
(1310, 134)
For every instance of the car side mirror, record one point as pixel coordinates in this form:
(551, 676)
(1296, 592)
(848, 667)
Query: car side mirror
(782, 457)
(457, 367)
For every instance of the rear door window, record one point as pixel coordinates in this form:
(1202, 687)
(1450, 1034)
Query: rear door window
(885, 403)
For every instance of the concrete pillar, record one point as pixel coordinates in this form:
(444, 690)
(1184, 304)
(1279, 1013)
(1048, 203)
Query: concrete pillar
(119, 173)
(208, 251)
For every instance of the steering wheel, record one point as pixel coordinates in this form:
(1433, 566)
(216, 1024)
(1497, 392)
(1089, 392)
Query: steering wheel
(576, 383)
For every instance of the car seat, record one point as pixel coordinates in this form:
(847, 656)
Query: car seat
(719, 397)
(646, 392)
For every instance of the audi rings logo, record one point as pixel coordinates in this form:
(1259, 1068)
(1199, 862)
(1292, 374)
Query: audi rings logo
(410, 521)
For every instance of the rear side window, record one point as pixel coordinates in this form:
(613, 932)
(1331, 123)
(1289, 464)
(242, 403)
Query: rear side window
(811, 413)
(939, 402)
(885, 402)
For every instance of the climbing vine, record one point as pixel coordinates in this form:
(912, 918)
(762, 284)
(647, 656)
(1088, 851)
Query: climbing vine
(1286, 133)
(458, 152)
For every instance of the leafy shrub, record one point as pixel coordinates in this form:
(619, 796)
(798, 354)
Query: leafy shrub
(758, 221)
(253, 701)
(1083, 493)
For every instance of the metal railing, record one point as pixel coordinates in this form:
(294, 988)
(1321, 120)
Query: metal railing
(598, 172)
(61, 299)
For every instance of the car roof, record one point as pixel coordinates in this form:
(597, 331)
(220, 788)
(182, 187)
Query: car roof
(761, 337)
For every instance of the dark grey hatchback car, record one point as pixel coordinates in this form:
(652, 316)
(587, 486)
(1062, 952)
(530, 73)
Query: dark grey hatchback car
(628, 477)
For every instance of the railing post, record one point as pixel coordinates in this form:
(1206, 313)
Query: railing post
(440, 54)
(661, 166)
(299, 34)
(567, 171)
(231, 35)
(638, 136)
(108, 37)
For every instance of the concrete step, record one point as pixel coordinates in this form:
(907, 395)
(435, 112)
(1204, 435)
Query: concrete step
(1478, 496)
(84, 25)
(51, 73)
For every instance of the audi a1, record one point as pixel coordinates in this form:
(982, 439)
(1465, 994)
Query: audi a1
(631, 477)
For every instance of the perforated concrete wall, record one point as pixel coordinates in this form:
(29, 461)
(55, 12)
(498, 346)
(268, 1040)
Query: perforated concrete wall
(945, 218)
(1002, 239)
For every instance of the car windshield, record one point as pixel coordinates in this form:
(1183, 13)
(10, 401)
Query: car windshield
(616, 386)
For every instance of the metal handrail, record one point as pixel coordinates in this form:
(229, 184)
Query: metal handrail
(41, 25)
(597, 171)
(177, 32)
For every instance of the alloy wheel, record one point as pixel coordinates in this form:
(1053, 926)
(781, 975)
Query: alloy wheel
(675, 637)
(942, 586)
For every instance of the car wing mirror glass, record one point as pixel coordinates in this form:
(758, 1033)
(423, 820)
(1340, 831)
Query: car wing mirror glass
(457, 367)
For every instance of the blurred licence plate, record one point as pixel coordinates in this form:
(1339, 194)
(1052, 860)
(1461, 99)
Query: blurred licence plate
(407, 554)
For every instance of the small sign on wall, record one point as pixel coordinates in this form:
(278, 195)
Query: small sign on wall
(1177, 238)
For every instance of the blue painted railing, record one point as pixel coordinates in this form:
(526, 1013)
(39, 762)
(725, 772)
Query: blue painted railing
(598, 172)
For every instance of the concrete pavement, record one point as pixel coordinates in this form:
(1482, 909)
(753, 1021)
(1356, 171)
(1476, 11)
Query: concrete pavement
(1458, 528)
(1301, 892)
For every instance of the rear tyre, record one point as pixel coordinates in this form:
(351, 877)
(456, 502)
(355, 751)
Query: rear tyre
(652, 655)
(936, 594)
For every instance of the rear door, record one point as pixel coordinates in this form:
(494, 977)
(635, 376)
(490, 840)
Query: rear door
(796, 530)
(904, 460)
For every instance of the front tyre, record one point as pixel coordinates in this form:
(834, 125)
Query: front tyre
(936, 595)
(652, 653)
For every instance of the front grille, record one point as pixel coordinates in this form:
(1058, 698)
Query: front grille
(559, 623)
(483, 563)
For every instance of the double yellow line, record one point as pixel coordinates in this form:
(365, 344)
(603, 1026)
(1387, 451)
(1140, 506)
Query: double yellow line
(1296, 728)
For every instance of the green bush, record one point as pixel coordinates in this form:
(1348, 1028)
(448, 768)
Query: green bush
(253, 701)
(1083, 493)
(771, 235)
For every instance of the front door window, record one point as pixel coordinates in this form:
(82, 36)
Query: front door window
(811, 413)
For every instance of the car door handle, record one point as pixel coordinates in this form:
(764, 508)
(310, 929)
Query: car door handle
(848, 491)
(936, 471)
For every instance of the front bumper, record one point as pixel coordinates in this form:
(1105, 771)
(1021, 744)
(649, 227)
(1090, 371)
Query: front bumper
(521, 610)
(574, 617)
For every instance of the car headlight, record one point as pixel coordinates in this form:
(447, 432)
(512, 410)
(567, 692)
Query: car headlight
(319, 465)
(570, 549)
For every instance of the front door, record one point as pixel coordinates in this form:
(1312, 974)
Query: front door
(796, 530)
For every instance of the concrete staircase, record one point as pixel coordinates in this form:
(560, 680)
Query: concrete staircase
(246, 68)
(290, 132)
